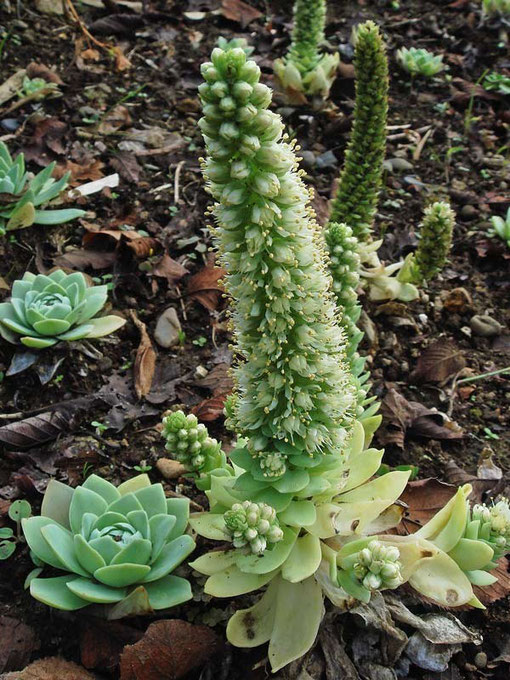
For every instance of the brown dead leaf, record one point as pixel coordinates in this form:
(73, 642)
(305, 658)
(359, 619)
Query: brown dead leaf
(35, 70)
(237, 10)
(35, 430)
(49, 669)
(106, 239)
(499, 589)
(114, 120)
(11, 86)
(169, 269)
(210, 409)
(169, 650)
(101, 643)
(90, 54)
(401, 417)
(17, 643)
(122, 63)
(127, 166)
(205, 286)
(48, 139)
(439, 362)
(82, 258)
(80, 172)
(463, 90)
(424, 498)
(145, 361)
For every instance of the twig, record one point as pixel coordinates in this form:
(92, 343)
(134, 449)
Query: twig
(176, 181)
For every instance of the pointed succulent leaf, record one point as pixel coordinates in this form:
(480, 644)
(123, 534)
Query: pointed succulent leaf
(55, 593)
(254, 626)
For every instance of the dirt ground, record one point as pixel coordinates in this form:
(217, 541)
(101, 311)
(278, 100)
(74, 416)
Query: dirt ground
(148, 238)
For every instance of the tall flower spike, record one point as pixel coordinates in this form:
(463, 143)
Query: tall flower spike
(295, 393)
(355, 202)
(305, 71)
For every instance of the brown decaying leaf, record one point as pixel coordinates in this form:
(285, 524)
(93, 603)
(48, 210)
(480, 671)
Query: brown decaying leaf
(141, 246)
(88, 171)
(83, 258)
(205, 287)
(169, 650)
(237, 10)
(439, 362)
(401, 417)
(126, 165)
(114, 120)
(35, 430)
(17, 642)
(210, 409)
(35, 70)
(50, 669)
(101, 643)
(169, 269)
(145, 361)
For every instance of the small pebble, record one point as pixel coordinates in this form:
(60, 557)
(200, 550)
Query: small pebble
(169, 468)
(485, 326)
(168, 329)
(468, 212)
(481, 660)
(201, 372)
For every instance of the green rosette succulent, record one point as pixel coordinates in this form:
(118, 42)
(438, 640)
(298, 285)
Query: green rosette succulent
(420, 62)
(20, 195)
(118, 546)
(44, 310)
(305, 71)
(500, 227)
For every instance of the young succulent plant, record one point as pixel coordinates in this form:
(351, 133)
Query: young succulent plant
(494, 8)
(420, 62)
(501, 227)
(434, 246)
(305, 72)
(117, 545)
(38, 89)
(20, 195)
(44, 310)
(497, 82)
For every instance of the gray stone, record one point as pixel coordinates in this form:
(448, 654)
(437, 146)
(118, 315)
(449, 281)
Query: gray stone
(168, 329)
(485, 326)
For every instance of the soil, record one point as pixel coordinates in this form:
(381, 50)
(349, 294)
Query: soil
(450, 139)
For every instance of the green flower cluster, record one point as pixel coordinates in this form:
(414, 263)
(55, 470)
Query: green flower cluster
(305, 71)
(189, 442)
(22, 195)
(420, 62)
(295, 396)
(378, 566)
(254, 525)
(434, 247)
(492, 525)
(355, 202)
(496, 7)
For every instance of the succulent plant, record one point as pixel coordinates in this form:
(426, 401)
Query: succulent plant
(44, 310)
(434, 246)
(497, 82)
(496, 7)
(38, 88)
(501, 227)
(305, 71)
(20, 195)
(254, 525)
(225, 44)
(420, 62)
(118, 546)
(355, 202)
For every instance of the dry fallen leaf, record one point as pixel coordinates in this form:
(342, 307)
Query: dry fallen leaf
(145, 361)
(36, 430)
(210, 409)
(439, 362)
(237, 10)
(205, 286)
(49, 669)
(401, 417)
(17, 642)
(101, 643)
(169, 650)
(169, 269)
(114, 120)
(80, 172)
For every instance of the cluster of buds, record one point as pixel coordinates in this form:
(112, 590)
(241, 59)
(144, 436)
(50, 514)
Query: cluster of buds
(254, 525)
(188, 440)
(378, 566)
(493, 525)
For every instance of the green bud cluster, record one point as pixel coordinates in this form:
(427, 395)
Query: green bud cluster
(254, 525)
(305, 69)
(435, 241)
(355, 202)
(345, 265)
(378, 566)
(295, 395)
(491, 524)
(495, 8)
(188, 441)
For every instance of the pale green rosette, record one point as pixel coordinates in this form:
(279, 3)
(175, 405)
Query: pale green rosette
(59, 307)
(118, 546)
